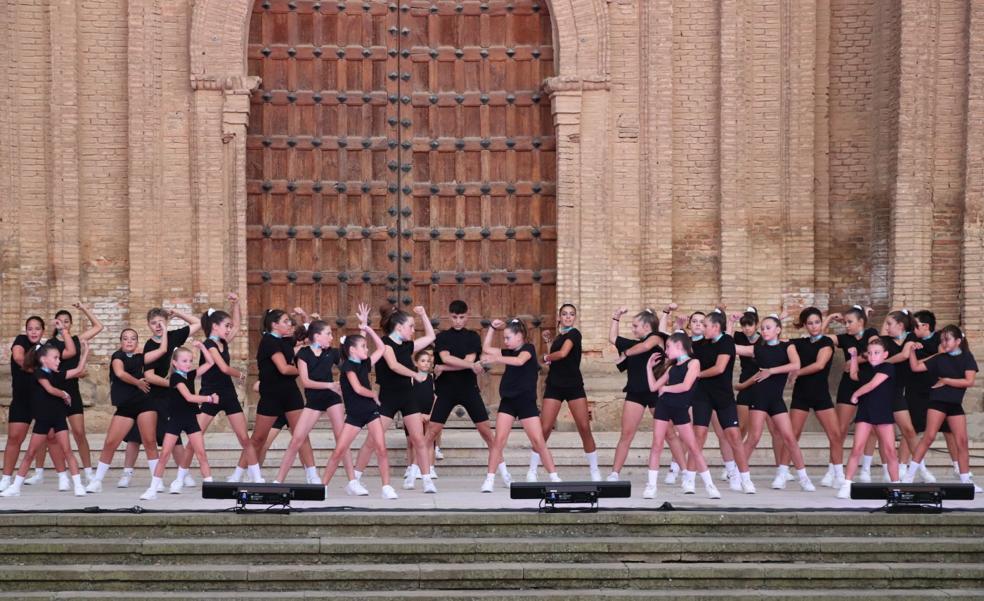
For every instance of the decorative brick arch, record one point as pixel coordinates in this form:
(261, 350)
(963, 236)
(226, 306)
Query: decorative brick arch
(217, 52)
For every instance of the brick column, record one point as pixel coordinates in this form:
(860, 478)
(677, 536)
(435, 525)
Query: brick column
(972, 299)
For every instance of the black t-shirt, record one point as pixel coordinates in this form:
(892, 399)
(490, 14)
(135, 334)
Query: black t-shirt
(319, 369)
(459, 343)
(176, 402)
(67, 365)
(520, 382)
(902, 372)
(920, 382)
(846, 342)
(814, 385)
(566, 371)
(121, 393)
(214, 380)
(389, 380)
(272, 382)
(638, 381)
(423, 392)
(175, 338)
(748, 365)
(45, 403)
(883, 394)
(717, 387)
(678, 372)
(771, 355)
(21, 382)
(949, 366)
(352, 400)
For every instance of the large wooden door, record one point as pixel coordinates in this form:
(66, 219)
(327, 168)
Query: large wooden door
(401, 152)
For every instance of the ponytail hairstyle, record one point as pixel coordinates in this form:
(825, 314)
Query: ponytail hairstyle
(664, 365)
(66, 313)
(749, 318)
(717, 317)
(858, 312)
(953, 331)
(125, 330)
(316, 327)
(903, 317)
(805, 314)
(36, 318)
(647, 316)
(32, 359)
(180, 350)
(349, 341)
(927, 317)
(213, 317)
(390, 317)
(271, 317)
(516, 326)
(774, 318)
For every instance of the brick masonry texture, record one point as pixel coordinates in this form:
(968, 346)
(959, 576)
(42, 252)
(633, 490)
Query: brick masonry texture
(770, 152)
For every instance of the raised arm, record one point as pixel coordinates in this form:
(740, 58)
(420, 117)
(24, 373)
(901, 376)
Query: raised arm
(664, 318)
(616, 318)
(70, 349)
(194, 323)
(428, 338)
(96, 326)
(237, 317)
(916, 364)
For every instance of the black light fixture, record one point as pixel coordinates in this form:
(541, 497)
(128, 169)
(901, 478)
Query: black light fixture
(913, 498)
(276, 497)
(551, 494)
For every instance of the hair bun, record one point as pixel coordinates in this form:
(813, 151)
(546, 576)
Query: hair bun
(210, 311)
(37, 346)
(648, 310)
(751, 309)
(905, 311)
(858, 307)
(342, 339)
(514, 320)
(775, 316)
(718, 311)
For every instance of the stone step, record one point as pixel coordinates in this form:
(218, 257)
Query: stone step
(792, 594)
(500, 576)
(466, 524)
(383, 550)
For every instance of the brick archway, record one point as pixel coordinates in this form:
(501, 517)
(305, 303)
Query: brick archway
(217, 53)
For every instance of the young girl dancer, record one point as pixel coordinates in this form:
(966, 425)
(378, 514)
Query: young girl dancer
(874, 400)
(776, 360)
(220, 329)
(634, 356)
(517, 390)
(811, 392)
(955, 370)
(747, 335)
(422, 395)
(128, 392)
(857, 334)
(899, 341)
(19, 416)
(564, 383)
(675, 390)
(279, 394)
(361, 405)
(50, 408)
(183, 417)
(314, 364)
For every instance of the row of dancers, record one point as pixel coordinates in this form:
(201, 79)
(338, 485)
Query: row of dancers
(908, 375)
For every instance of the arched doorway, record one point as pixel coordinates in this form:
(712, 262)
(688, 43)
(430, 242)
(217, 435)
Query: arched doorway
(401, 153)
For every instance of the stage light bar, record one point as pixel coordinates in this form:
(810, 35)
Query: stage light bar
(551, 494)
(913, 498)
(279, 495)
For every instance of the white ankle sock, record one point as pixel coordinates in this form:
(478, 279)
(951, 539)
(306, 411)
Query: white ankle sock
(592, 458)
(237, 474)
(310, 471)
(254, 472)
(675, 467)
(182, 472)
(534, 460)
(731, 466)
(866, 462)
(358, 474)
(653, 477)
(706, 478)
(802, 474)
(152, 464)
(101, 470)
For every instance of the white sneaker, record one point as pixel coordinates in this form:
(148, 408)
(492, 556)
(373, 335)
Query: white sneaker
(233, 478)
(649, 492)
(613, 477)
(671, 477)
(864, 475)
(886, 477)
(838, 481)
(37, 478)
(734, 482)
(160, 486)
(828, 478)
(747, 486)
(429, 485)
(908, 478)
(409, 481)
(531, 475)
(355, 489)
(844, 492)
(11, 491)
(433, 473)
(416, 473)
(712, 491)
(790, 476)
(189, 482)
(688, 485)
(806, 484)
(123, 482)
(438, 455)
(64, 482)
(150, 494)
(724, 475)
(926, 475)
(311, 479)
(95, 486)
(6, 481)
(489, 483)
(555, 477)
(506, 478)
(176, 486)
(596, 475)
(79, 489)
(779, 482)
(389, 493)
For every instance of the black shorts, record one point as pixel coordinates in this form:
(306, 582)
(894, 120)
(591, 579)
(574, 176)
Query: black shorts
(815, 403)
(20, 411)
(773, 406)
(276, 404)
(45, 423)
(400, 401)
(76, 406)
(725, 407)
(948, 409)
(132, 410)
(321, 402)
(746, 398)
(565, 393)
(161, 408)
(879, 414)
(646, 399)
(899, 403)
(918, 407)
(186, 422)
(228, 403)
(846, 389)
(360, 416)
(519, 407)
(280, 423)
(669, 412)
(471, 400)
